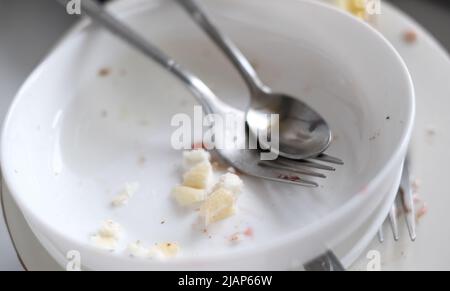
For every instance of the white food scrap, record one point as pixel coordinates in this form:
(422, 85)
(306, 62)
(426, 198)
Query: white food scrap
(230, 182)
(158, 251)
(199, 176)
(107, 236)
(218, 206)
(126, 194)
(194, 157)
(186, 196)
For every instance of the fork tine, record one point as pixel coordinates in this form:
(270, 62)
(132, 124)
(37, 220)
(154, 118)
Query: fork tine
(407, 200)
(304, 163)
(329, 159)
(381, 235)
(393, 221)
(280, 166)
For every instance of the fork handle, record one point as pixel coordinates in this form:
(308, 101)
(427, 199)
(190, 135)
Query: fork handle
(209, 102)
(225, 44)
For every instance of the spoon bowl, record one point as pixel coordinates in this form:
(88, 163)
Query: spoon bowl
(303, 133)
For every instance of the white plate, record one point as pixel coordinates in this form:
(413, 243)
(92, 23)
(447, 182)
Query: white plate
(74, 157)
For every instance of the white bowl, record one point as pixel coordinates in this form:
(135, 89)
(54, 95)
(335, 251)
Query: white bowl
(64, 159)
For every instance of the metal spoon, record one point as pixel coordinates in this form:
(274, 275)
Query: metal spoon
(303, 133)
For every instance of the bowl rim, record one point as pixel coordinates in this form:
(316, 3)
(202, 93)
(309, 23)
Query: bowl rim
(352, 203)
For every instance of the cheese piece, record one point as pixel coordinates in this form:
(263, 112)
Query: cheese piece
(218, 206)
(186, 196)
(222, 215)
(230, 182)
(199, 176)
(107, 236)
(194, 157)
(110, 229)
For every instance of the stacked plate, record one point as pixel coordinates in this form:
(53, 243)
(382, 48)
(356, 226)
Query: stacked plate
(88, 116)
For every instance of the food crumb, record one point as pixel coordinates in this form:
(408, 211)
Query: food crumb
(422, 211)
(410, 36)
(107, 236)
(104, 113)
(126, 194)
(235, 237)
(420, 206)
(431, 131)
(416, 185)
(142, 160)
(289, 178)
(104, 72)
(248, 232)
(374, 137)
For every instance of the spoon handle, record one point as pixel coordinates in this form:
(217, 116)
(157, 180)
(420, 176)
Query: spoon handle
(225, 44)
(200, 90)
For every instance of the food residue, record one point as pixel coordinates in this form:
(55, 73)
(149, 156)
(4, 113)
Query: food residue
(142, 160)
(217, 202)
(104, 113)
(248, 232)
(289, 178)
(158, 251)
(430, 131)
(421, 207)
(186, 196)
(410, 36)
(235, 237)
(103, 72)
(107, 236)
(126, 194)
(218, 206)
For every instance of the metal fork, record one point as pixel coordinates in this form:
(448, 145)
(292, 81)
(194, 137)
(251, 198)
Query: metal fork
(282, 169)
(247, 161)
(405, 201)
